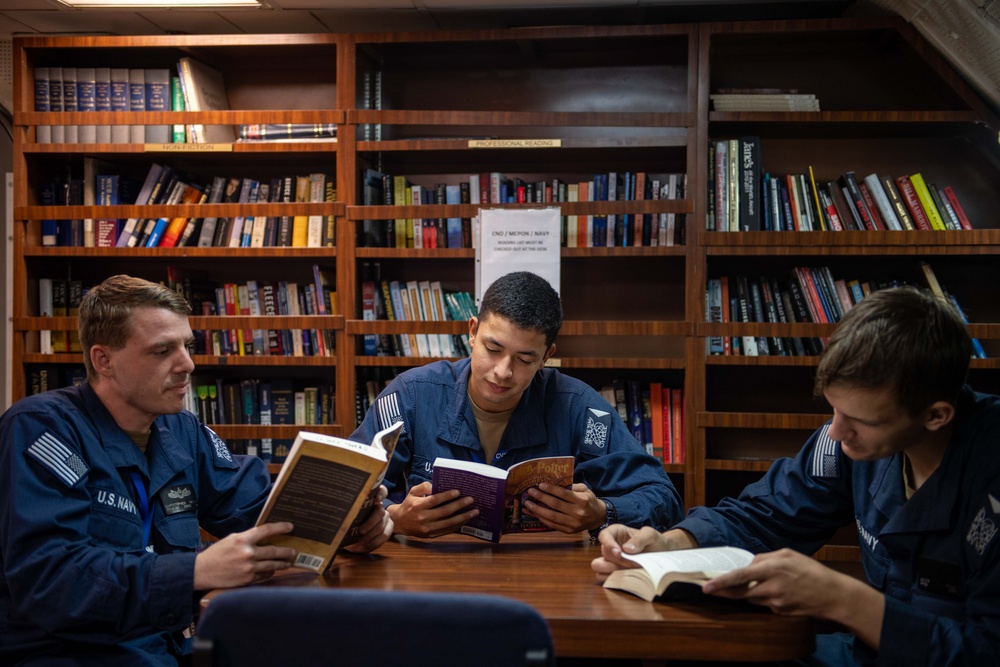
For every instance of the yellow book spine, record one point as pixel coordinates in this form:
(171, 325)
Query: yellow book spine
(924, 195)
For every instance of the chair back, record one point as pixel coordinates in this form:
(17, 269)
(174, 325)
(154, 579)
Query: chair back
(274, 626)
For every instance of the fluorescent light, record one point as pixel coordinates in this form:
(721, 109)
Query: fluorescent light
(156, 4)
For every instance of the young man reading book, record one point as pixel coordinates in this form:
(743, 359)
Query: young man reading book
(102, 491)
(501, 407)
(910, 458)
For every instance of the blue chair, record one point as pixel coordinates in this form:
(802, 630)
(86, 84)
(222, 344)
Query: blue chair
(275, 626)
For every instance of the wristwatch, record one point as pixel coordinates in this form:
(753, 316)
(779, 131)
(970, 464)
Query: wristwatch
(610, 517)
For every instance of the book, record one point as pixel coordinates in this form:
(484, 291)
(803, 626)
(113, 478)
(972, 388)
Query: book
(205, 90)
(102, 102)
(924, 195)
(288, 132)
(137, 102)
(43, 133)
(157, 82)
(69, 89)
(86, 100)
(750, 184)
(500, 494)
(323, 486)
(676, 574)
(120, 134)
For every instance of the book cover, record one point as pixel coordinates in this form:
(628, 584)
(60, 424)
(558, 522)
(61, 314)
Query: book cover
(676, 574)
(500, 494)
(86, 100)
(301, 493)
(956, 206)
(71, 132)
(120, 134)
(43, 133)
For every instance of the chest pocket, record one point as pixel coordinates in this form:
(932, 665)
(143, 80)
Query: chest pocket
(114, 521)
(178, 533)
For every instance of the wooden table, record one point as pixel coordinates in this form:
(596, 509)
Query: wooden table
(551, 572)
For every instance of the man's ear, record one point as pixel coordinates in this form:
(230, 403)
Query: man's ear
(548, 353)
(100, 360)
(473, 327)
(938, 415)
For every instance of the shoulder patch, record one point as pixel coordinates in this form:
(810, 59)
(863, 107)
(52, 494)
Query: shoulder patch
(596, 429)
(387, 411)
(826, 456)
(982, 530)
(60, 460)
(221, 449)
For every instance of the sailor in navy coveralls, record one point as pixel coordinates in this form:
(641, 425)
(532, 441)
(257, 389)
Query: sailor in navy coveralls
(103, 488)
(911, 458)
(502, 407)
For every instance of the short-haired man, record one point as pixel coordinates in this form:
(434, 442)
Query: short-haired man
(103, 488)
(911, 458)
(502, 407)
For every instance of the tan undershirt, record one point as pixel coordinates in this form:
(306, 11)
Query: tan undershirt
(141, 440)
(909, 485)
(491, 426)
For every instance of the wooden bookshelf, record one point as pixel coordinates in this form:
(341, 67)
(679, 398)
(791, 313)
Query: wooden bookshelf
(614, 98)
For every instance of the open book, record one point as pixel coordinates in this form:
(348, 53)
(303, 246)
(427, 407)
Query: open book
(500, 494)
(676, 574)
(327, 487)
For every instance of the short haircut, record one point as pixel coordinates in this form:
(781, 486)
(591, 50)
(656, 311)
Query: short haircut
(903, 339)
(527, 300)
(105, 316)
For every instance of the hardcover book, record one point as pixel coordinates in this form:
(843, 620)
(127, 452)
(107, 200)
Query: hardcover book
(676, 574)
(205, 90)
(500, 494)
(327, 488)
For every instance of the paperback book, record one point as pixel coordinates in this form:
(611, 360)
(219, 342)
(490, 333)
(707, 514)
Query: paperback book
(676, 574)
(327, 488)
(500, 494)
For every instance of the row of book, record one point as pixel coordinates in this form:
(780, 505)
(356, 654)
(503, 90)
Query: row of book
(190, 86)
(264, 298)
(165, 186)
(261, 401)
(578, 231)
(59, 297)
(764, 100)
(414, 300)
(742, 197)
(44, 377)
(809, 294)
(654, 413)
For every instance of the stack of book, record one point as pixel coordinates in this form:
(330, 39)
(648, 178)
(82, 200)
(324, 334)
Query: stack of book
(764, 99)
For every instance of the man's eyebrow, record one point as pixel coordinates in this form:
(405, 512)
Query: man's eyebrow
(526, 353)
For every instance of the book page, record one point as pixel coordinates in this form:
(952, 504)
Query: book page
(711, 561)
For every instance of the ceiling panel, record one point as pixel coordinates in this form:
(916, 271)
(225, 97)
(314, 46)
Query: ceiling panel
(272, 22)
(89, 23)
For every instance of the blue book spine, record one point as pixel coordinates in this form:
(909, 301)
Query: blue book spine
(42, 93)
(157, 233)
(453, 195)
(765, 203)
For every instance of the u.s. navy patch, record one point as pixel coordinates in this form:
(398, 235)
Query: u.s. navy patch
(221, 450)
(981, 532)
(58, 458)
(387, 410)
(826, 456)
(179, 498)
(595, 436)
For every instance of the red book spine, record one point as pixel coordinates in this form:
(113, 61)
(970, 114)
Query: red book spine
(872, 207)
(913, 203)
(959, 211)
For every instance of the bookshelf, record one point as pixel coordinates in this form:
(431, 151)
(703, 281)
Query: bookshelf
(889, 105)
(558, 103)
